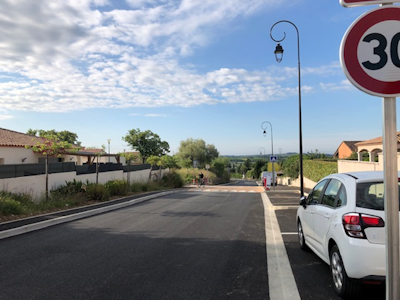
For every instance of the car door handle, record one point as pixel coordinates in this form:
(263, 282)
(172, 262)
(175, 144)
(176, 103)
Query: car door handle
(327, 216)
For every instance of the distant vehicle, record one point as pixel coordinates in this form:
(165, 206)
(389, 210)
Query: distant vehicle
(268, 176)
(342, 220)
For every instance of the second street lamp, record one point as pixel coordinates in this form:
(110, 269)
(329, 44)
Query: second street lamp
(264, 127)
(279, 55)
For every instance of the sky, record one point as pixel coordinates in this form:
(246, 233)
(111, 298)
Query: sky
(200, 69)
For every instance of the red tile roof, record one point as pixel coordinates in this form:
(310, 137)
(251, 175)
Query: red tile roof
(378, 140)
(17, 139)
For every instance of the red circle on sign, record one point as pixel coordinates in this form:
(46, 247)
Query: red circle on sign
(350, 62)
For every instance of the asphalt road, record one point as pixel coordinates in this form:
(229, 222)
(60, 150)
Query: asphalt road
(190, 245)
(202, 244)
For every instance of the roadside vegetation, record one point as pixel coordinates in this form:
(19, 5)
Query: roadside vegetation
(195, 156)
(77, 193)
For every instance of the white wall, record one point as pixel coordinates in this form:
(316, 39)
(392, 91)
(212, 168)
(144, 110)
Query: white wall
(345, 166)
(14, 155)
(307, 183)
(36, 185)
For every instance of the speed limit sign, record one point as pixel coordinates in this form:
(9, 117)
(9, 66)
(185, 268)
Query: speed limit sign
(370, 52)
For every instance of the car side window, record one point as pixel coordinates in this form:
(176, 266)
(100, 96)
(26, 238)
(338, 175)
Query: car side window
(313, 197)
(334, 190)
(341, 197)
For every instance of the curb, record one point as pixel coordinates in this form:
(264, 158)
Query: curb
(76, 216)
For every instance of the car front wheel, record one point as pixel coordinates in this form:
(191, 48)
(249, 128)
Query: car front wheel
(343, 285)
(300, 234)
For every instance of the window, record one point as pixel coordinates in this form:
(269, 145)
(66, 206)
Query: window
(313, 197)
(341, 197)
(371, 195)
(334, 190)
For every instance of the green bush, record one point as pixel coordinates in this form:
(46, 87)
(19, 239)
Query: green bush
(117, 187)
(70, 188)
(190, 174)
(10, 206)
(137, 187)
(97, 192)
(317, 169)
(173, 180)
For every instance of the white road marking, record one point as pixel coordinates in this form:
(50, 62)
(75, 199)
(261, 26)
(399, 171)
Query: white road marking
(282, 285)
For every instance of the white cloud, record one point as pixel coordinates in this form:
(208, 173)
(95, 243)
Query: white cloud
(5, 117)
(67, 55)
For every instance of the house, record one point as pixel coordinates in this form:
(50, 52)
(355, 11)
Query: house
(12, 147)
(13, 151)
(345, 149)
(374, 148)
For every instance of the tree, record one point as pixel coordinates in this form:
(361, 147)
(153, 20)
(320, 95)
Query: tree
(51, 147)
(129, 158)
(291, 166)
(169, 162)
(153, 161)
(65, 135)
(259, 166)
(196, 150)
(98, 155)
(220, 167)
(146, 142)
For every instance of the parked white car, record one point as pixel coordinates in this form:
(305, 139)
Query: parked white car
(342, 220)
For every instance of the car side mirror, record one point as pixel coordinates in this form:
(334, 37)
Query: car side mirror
(303, 201)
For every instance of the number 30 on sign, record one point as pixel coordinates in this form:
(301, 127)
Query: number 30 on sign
(370, 52)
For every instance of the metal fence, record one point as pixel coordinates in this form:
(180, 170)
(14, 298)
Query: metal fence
(20, 170)
(12, 171)
(89, 169)
(132, 168)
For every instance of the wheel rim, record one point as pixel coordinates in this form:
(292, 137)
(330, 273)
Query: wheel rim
(301, 235)
(337, 270)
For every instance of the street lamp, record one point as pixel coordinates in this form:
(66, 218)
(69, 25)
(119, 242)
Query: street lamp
(109, 140)
(260, 150)
(272, 148)
(278, 56)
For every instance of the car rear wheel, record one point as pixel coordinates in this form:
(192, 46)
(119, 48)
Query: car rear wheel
(343, 285)
(300, 234)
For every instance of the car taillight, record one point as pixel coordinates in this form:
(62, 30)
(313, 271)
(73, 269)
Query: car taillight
(354, 224)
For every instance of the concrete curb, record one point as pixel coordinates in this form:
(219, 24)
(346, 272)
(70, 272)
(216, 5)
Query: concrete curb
(63, 219)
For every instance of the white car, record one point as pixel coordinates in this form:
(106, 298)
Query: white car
(342, 220)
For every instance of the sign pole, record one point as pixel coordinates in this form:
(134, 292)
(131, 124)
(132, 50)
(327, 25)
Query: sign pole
(391, 197)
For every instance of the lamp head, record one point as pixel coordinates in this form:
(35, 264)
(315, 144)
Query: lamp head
(265, 133)
(278, 53)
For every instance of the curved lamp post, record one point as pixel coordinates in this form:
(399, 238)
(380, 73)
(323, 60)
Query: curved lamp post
(272, 148)
(109, 141)
(279, 56)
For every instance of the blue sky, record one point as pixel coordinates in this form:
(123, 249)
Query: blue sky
(201, 69)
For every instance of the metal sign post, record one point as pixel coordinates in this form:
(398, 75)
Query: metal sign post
(391, 197)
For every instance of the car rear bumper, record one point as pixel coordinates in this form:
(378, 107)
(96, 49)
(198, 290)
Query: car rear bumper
(363, 260)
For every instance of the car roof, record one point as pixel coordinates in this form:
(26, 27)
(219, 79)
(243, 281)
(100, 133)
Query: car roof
(366, 175)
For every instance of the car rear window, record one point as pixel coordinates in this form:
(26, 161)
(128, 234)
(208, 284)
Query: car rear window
(371, 195)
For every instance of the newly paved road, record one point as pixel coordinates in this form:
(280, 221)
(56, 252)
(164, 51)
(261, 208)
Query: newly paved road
(207, 243)
(191, 245)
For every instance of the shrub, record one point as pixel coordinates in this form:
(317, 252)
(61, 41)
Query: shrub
(97, 192)
(70, 188)
(117, 187)
(318, 169)
(10, 206)
(173, 180)
(136, 187)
